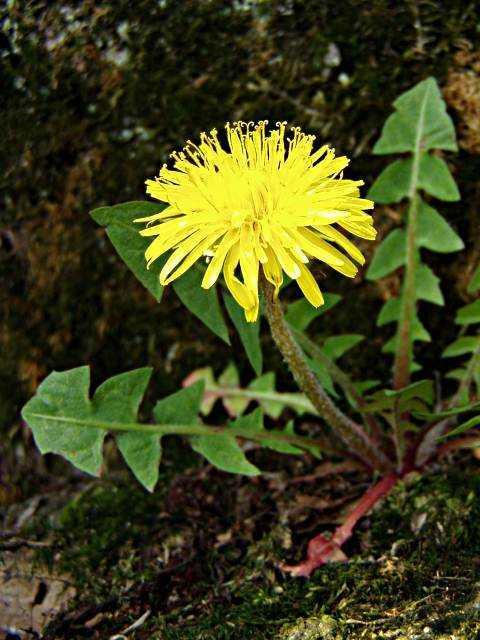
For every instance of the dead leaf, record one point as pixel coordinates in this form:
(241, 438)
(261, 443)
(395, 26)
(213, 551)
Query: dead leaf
(30, 598)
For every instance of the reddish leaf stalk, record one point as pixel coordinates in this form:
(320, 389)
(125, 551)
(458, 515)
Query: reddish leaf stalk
(321, 549)
(471, 441)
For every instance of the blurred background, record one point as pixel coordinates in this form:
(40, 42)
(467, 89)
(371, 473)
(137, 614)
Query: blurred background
(95, 95)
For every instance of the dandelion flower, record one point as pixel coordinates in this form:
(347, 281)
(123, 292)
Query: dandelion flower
(268, 201)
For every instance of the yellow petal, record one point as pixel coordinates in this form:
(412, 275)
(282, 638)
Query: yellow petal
(188, 251)
(315, 246)
(333, 257)
(339, 238)
(309, 287)
(238, 290)
(272, 270)
(216, 263)
(168, 212)
(286, 261)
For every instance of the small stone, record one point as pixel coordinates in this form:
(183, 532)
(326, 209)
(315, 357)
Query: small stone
(315, 628)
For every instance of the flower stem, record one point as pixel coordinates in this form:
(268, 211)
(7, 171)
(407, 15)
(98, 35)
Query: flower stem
(349, 431)
(340, 377)
(337, 374)
(471, 441)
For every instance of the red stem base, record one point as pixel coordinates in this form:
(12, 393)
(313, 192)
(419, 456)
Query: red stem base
(322, 550)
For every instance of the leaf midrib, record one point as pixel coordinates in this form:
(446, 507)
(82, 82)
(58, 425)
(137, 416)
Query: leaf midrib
(174, 429)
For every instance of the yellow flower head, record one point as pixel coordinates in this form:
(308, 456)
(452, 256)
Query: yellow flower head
(268, 200)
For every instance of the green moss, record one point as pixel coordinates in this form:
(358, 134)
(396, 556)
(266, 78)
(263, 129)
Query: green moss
(414, 574)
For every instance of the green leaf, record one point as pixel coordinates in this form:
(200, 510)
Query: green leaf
(201, 302)
(118, 400)
(474, 284)
(420, 117)
(267, 383)
(465, 426)
(457, 374)
(249, 333)
(301, 313)
(461, 346)
(205, 375)
(335, 346)
(230, 379)
(418, 333)
(65, 394)
(142, 452)
(63, 399)
(125, 213)
(389, 255)
(390, 312)
(435, 177)
(476, 375)
(414, 367)
(393, 184)
(434, 232)
(323, 376)
(405, 399)
(469, 314)
(131, 247)
(365, 385)
(254, 423)
(423, 389)
(224, 452)
(465, 408)
(181, 407)
(427, 285)
(129, 244)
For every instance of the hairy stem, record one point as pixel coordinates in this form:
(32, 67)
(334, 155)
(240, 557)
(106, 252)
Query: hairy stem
(338, 376)
(349, 431)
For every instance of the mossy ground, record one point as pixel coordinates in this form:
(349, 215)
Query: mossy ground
(201, 555)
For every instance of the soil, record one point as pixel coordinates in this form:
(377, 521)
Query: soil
(201, 554)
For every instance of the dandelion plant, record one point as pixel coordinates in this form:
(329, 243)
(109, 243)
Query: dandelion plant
(244, 214)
